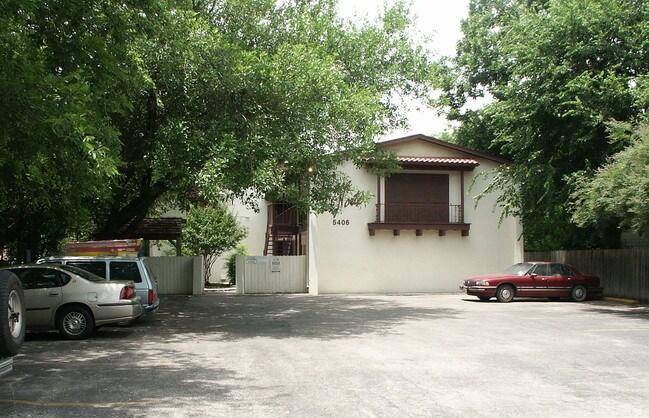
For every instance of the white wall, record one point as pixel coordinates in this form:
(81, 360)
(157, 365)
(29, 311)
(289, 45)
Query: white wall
(349, 260)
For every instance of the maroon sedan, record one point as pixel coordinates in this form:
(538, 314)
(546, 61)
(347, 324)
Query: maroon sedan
(536, 280)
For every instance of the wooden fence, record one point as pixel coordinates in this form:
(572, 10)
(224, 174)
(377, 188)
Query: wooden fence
(177, 275)
(623, 273)
(272, 274)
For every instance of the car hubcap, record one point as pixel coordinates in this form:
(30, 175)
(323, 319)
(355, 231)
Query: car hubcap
(15, 320)
(74, 323)
(506, 293)
(579, 293)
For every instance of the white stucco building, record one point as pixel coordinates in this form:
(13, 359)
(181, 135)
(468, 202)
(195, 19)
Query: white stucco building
(422, 232)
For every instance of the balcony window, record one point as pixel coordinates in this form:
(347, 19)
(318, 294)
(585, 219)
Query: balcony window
(417, 198)
(421, 201)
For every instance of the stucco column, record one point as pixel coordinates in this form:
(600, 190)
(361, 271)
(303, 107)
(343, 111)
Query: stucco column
(312, 251)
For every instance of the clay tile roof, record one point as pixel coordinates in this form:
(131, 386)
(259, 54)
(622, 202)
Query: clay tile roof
(439, 161)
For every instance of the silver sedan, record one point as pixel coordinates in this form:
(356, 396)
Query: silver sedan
(73, 300)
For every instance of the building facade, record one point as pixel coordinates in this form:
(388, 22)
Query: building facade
(423, 232)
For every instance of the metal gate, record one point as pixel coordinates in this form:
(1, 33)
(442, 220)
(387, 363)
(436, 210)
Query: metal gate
(271, 274)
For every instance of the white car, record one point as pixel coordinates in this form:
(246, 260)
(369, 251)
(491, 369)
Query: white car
(73, 300)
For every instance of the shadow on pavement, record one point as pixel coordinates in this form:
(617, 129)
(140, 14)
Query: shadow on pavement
(164, 360)
(231, 317)
(638, 311)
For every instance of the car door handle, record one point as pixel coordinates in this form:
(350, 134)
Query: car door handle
(53, 293)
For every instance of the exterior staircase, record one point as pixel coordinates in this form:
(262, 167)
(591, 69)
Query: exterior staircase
(283, 231)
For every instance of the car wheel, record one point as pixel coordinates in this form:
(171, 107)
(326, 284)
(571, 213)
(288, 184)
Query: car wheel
(578, 293)
(75, 323)
(12, 301)
(484, 298)
(505, 293)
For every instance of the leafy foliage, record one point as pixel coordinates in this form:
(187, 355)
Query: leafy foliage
(556, 71)
(231, 263)
(619, 190)
(58, 150)
(209, 232)
(110, 108)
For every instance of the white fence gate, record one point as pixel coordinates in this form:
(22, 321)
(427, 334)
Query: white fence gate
(178, 275)
(286, 274)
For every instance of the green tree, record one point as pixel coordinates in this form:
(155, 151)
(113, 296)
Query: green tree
(113, 107)
(209, 232)
(619, 190)
(250, 95)
(58, 148)
(555, 71)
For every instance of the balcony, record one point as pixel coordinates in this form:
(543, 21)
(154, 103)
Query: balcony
(419, 217)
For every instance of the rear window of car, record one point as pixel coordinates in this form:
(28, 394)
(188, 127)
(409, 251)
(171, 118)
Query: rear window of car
(125, 270)
(95, 267)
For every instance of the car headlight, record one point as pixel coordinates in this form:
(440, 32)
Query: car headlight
(482, 283)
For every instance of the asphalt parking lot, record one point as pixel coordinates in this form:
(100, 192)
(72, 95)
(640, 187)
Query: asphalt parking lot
(300, 355)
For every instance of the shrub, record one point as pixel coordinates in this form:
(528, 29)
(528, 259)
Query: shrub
(231, 263)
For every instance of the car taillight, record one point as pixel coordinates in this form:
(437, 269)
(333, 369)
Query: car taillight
(150, 296)
(127, 293)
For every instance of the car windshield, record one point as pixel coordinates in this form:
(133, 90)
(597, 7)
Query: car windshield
(83, 273)
(519, 269)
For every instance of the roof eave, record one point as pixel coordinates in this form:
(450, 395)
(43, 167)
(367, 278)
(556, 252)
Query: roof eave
(445, 144)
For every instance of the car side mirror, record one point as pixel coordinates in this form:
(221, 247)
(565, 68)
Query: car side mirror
(534, 275)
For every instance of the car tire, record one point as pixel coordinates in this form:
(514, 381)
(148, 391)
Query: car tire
(505, 293)
(578, 293)
(75, 322)
(484, 298)
(12, 327)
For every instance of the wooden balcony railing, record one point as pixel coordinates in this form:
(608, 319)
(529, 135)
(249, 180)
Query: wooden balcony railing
(419, 213)
(419, 216)
(284, 216)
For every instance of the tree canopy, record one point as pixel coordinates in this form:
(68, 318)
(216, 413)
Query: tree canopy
(109, 108)
(555, 72)
(619, 190)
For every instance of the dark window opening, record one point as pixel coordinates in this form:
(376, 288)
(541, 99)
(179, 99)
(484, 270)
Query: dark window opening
(417, 198)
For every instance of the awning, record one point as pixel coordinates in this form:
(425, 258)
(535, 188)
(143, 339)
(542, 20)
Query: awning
(438, 162)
